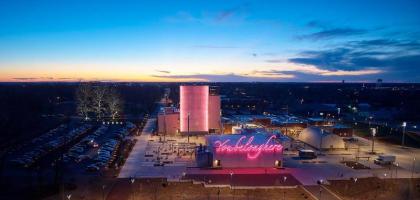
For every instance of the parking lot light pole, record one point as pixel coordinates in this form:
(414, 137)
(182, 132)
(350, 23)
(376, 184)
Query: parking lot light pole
(404, 124)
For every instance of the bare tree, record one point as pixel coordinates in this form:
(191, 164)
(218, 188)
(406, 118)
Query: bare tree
(99, 95)
(84, 100)
(114, 103)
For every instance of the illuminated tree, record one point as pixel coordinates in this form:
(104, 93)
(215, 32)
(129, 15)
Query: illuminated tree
(84, 100)
(99, 96)
(114, 103)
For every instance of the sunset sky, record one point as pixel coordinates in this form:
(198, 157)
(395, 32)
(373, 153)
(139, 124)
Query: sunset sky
(197, 40)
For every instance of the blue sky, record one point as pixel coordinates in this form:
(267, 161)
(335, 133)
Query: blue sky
(283, 41)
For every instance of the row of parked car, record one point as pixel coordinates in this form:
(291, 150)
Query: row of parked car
(106, 154)
(78, 151)
(50, 134)
(52, 140)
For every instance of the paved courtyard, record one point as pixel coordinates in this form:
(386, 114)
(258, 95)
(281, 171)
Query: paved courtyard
(158, 156)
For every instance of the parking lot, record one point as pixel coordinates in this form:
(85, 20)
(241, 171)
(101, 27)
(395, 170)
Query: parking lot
(98, 150)
(48, 143)
(85, 149)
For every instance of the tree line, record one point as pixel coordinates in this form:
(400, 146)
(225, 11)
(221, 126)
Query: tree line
(98, 101)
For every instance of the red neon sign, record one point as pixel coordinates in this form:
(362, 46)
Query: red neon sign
(252, 150)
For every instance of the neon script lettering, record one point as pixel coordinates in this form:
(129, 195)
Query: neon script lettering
(245, 146)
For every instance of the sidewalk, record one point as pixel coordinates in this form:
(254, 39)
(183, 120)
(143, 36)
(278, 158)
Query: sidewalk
(136, 156)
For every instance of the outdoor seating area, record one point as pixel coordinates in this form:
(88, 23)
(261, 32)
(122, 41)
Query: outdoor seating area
(171, 151)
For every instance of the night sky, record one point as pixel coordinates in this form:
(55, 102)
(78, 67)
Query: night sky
(197, 40)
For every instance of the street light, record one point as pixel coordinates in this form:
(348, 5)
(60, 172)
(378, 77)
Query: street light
(218, 193)
(373, 130)
(396, 170)
(412, 169)
(188, 124)
(131, 184)
(164, 124)
(404, 124)
(231, 184)
(284, 191)
(103, 192)
(320, 182)
(370, 119)
(320, 142)
(320, 193)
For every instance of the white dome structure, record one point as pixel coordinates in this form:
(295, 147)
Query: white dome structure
(313, 136)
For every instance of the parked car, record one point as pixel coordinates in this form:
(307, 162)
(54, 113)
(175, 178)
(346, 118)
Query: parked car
(385, 159)
(92, 168)
(307, 154)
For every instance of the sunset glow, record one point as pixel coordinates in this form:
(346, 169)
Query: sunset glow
(213, 41)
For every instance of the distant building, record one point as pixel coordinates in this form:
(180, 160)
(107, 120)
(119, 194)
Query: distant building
(227, 127)
(319, 121)
(265, 121)
(341, 130)
(378, 83)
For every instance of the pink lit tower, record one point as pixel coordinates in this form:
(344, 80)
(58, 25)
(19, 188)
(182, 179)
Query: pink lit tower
(194, 109)
(199, 109)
